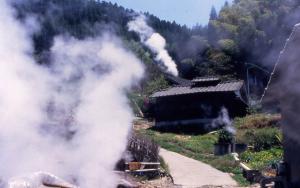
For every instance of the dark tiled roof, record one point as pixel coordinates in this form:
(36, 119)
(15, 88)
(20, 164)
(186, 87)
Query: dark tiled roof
(221, 87)
(178, 81)
(206, 79)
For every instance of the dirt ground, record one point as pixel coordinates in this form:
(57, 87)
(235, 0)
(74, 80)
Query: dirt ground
(158, 183)
(167, 183)
(140, 124)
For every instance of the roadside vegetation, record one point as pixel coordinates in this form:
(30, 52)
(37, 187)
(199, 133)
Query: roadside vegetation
(199, 147)
(263, 135)
(261, 132)
(141, 148)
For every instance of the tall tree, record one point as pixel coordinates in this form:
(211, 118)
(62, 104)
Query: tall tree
(213, 13)
(212, 32)
(226, 5)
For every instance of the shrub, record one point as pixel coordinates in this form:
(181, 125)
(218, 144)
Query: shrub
(225, 163)
(143, 149)
(164, 165)
(264, 159)
(261, 139)
(228, 46)
(139, 149)
(254, 108)
(258, 121)
(225, 137)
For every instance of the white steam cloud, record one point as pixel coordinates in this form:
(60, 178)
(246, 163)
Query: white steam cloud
(155, 42)
(224, 121)
(71, 118)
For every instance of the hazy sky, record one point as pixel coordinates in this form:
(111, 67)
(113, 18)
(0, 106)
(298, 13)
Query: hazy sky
(189, 12)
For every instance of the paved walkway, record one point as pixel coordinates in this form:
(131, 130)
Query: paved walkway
(190, 173)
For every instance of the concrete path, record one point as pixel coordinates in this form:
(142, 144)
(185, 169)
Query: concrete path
(190, 173)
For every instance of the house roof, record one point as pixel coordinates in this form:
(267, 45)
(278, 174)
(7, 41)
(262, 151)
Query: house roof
(178, 81)
(206, 79)
(221, 87)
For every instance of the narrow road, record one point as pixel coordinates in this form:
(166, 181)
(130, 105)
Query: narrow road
(191, 173)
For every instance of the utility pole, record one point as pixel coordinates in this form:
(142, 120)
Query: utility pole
(251, 66)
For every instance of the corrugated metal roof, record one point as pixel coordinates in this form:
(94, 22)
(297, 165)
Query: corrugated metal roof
(221, 87)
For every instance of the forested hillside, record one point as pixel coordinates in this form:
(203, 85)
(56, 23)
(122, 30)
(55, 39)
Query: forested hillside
(244, 33)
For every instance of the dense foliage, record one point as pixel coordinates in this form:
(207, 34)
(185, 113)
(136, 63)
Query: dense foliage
(263, 160)
(261, 139)
(249, 32)
(244, 33)
(257, 121)
(225, 137)
(260, 131)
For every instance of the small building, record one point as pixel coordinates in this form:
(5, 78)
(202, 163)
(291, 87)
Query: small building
(199, 101)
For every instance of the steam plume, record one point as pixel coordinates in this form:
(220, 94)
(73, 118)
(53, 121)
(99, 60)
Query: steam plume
(155, 42)
(70, 118)
(284, 86)
(224, 121)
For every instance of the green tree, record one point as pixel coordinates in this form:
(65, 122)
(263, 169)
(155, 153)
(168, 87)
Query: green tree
(213, 14)
(229, 47)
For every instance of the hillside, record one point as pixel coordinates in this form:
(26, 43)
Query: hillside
(246, 32)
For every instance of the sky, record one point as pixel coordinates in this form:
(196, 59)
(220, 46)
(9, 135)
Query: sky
(184, 12)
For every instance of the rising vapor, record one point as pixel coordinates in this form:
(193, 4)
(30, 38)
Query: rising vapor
(70, 118)
(223, 121)
(155, 42)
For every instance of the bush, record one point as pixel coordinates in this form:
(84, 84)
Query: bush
(258, 121)
(164, 165)
(143, 149)
(264, 159)
(225, 137)
(260, 139)
(254, 108)
(228, 46)
(157, 84)
(139, 149)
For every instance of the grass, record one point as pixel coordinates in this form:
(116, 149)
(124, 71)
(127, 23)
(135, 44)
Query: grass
(260, 139)
(164, 165)
(262, 160)
(261, 131)
(257, 121)
(197, 147)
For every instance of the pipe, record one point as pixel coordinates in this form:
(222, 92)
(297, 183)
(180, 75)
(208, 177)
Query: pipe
(54, 185)
(242, 165)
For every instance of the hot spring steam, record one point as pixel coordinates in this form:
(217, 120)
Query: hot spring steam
(155, 42)
(223, 121)
(70, 118)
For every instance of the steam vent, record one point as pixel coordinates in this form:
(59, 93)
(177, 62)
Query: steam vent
(285, 87)
(198, 102)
